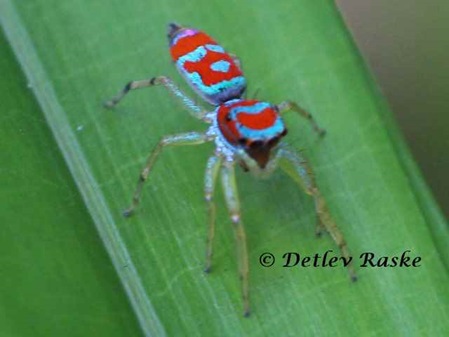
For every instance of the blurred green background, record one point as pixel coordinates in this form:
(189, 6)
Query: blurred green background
(406, 45)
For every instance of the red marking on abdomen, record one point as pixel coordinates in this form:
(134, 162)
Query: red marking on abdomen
(227, 127)
(188, 44)
(209, 76)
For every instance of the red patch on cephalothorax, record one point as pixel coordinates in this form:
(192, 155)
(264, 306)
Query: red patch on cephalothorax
(209, 76)
(189, 43)
(227, 126)
(259, 148)
(263, 120)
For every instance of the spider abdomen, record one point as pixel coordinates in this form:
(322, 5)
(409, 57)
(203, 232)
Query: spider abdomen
(207, 67)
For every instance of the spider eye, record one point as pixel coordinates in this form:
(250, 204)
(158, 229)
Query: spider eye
(243, 141)
(257, 144)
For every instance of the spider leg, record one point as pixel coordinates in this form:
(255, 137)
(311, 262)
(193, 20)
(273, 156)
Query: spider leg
(297, 167)
(194, 109)
(236, 60)
(212, 169)
(292, 106)
(232, 201)
(189, 138)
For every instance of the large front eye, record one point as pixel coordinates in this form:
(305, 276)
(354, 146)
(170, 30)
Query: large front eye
(243, 141)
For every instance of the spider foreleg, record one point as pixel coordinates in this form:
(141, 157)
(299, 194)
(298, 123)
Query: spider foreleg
(296, 166)
(190, 104)
(189, 138)
(319, 228)
(292, 106)
(212, 169)
(237, 61)
(232, 201)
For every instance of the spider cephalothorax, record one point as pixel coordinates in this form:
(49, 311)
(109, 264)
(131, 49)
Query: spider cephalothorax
(253, 125)
(245, 132)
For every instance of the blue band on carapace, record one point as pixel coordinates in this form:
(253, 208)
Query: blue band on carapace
(268, 133)
(249, 109)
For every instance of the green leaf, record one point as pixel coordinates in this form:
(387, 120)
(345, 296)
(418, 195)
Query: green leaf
(77, 54)
(56, 278)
